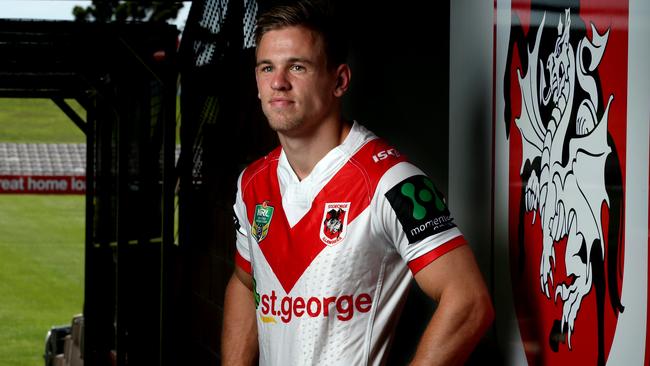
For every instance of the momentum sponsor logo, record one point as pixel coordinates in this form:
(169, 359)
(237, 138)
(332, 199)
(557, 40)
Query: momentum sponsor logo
(419, 207)
(433, 224)
(287, 308)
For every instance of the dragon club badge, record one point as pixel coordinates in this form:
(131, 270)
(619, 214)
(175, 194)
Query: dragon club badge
(262, 220)
(335, 222)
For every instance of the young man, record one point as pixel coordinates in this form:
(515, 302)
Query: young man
(333, 224)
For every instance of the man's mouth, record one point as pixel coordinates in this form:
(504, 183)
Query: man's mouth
(280, 102)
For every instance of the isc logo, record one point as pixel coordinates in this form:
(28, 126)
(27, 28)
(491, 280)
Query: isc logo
(385, 154)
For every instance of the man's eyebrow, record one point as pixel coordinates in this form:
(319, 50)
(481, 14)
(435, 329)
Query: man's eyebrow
(299, 59)
(289, 60)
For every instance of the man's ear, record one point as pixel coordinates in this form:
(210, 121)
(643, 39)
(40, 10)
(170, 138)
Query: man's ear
(343, 75)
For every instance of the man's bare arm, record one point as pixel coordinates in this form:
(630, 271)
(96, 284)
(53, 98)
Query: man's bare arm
(464, 310)
(239, 335)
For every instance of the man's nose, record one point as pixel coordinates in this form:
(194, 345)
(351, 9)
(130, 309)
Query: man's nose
(280, 81)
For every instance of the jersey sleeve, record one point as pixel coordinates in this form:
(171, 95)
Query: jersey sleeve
(414, 216)
(242, 226)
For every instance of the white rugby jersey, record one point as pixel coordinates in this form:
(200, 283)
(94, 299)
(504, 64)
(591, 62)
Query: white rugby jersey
(332, 255)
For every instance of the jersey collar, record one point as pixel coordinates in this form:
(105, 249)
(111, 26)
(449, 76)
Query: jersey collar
(297, 195)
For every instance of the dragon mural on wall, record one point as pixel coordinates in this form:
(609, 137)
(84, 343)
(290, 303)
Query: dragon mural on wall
(569, 169)
(567, 196)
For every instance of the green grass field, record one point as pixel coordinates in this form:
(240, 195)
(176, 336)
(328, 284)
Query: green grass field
(38, 121)
(41, 271)
(41, 121)
(41, 241)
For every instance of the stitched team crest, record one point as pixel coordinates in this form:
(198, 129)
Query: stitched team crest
(335, 222)
(262, 220)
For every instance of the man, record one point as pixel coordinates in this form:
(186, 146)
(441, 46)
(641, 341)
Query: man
(333, 224)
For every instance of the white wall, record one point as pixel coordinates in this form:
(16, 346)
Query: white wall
(470, 127)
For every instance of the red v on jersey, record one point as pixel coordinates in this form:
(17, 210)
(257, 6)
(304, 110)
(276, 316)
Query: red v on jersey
(290, 250)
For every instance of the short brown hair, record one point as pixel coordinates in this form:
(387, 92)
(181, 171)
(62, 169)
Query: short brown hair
(315, 15)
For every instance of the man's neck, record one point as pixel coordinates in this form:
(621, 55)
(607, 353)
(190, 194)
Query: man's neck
(304, 152)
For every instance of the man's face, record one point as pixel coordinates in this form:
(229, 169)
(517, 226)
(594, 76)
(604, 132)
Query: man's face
(296, 88)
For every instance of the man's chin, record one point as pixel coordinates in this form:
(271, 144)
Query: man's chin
(284, 126)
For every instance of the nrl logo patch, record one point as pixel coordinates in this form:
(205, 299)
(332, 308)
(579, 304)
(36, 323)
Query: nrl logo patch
(262, 220)
(335, 222)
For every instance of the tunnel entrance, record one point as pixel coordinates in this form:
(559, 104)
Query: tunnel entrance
(124, 76)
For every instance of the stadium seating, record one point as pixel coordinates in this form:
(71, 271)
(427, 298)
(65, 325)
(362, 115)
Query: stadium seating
(45, 159)
(42, 159)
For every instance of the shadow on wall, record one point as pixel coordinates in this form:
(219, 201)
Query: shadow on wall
(398, 89)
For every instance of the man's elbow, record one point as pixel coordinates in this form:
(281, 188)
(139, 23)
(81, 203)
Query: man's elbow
(482, 312)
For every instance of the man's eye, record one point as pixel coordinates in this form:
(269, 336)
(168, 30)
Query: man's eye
(266, 69)
(297, 68)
